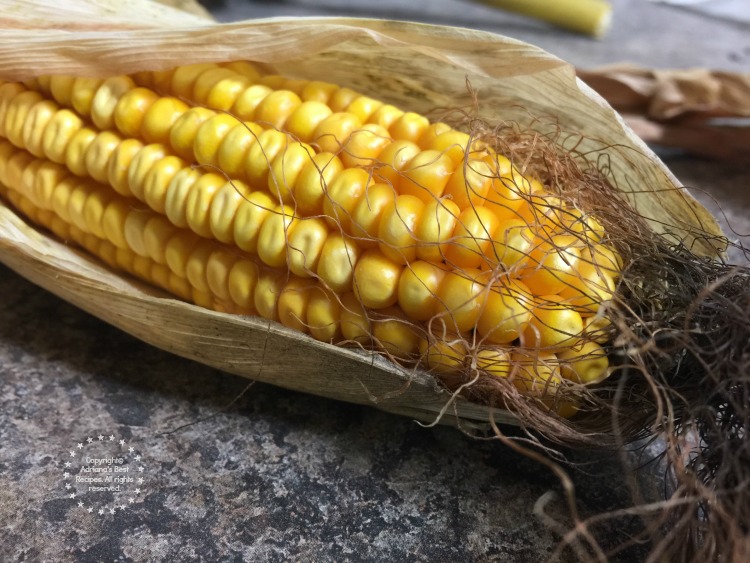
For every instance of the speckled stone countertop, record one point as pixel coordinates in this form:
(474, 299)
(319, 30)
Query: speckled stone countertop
(239, 472)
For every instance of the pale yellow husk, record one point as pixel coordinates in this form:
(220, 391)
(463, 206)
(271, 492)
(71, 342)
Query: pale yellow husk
(417, 67)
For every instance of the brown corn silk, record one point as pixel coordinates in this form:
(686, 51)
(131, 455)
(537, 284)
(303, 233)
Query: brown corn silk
(394, 62)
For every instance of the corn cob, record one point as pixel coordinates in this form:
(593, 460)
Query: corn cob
(312, 205)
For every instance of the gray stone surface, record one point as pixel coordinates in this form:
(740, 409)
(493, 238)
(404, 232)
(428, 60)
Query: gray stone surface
(261, 474)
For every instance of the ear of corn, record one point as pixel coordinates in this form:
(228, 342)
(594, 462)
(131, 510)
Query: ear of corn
(328, 211)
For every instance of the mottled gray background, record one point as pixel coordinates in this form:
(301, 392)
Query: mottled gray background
(271, 475)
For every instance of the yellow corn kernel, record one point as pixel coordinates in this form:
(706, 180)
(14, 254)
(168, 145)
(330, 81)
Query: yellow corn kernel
(552, 265)
(286, 168)
(157, 233)
(183, 78)
(131, 109)
(435, 228)
(16, 114)
(445, 354)
(198, 203)
(218, 267)
(318, 91)
(342, 98)
(249, 218)
(210, 136)
(140, 166)
(512, 244)
(160, 117)
(244, 68)
(106, 98)
(364, 107)
(58, 133)
(324, 315)
(394, 334)
(15, 167)
(243, 277)
(82, 96)
(494, 361)
(312, 183)
(294, 302)
(597, 328)
(417, 289)
(98, 153)
(460, 299)
(8, 92)
(246, 103)
(135, 229)
(537, 375)
(275, 108)
(396, 231)
(393, 160)
(365, 145)
(177, 251)
(472, 238)
(156, 181)
(224, 205)
(344, 192)
(506, 313)
(332, 133)
(61, 88)
(385, 116)
(453, 143)
(603, 258)
(337, 261)
(272, 237)
(267, 292)
(260, 155)
(305, 118)
(219, 88)
(46, 179)
(376, 279)
(586, 363)
(431, 133)
(96, 204)
(184, 130)
(469, 184)
(77, 205)
(426, 175)
(509, 190)
(367, 214)
(195, 267)
(356, 325)
(113, 222)
(233, 150)
(58, 201)
(75, 151)
(409, 127)
(552, 324)
(28, 179)
(305, 246)
(175, 203)
(32, 136)
(589, 290)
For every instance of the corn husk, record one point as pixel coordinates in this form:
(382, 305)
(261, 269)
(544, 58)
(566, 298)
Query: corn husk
(418, 67)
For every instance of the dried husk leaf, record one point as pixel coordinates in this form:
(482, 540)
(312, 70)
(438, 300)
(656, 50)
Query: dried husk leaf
(418, 67)
(698, 110)
(667, 94)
